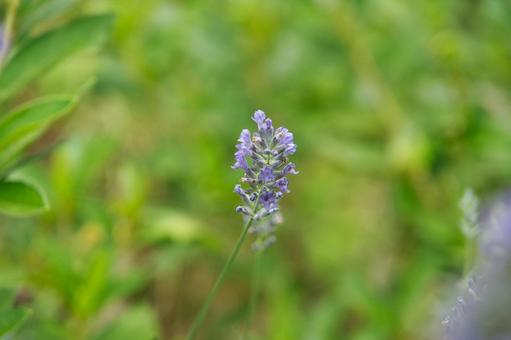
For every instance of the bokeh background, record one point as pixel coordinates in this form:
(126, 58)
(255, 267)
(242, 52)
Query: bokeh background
(396, 106)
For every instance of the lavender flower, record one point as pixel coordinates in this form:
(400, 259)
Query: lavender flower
(482, 309)
(263, 156)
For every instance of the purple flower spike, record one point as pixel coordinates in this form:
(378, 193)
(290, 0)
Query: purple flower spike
(263, 155)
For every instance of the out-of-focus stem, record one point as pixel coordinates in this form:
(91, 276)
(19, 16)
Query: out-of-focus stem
(254, 290)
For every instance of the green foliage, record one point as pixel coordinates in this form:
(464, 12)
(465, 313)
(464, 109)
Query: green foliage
(43, 52)
(397, 107)
(19, 198)
(137, 323)
(10, 318)
(25, 124)
(19, 129)
(6, 297)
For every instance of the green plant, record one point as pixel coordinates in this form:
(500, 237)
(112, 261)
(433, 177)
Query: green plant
(25, 123)
(10, 317)
(23, 59)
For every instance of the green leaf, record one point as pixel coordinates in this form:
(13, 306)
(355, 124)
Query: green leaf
(90, 295)
(165, 225)
(138, 322)
(6, 297)
(39, 12)
(43, 52)
(10, 319)
(26, 123)
(20, 198)
(26, 159)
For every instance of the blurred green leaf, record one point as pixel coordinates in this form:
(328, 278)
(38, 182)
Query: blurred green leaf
(75, 167)
(358, 156)
(91, 293)
(139, 322)
(367, 300)
(324, 319)
(125, 285)
(52, 265)
(19, 198)
(28, 158)
(131, 190)
(26, 123)
(164, 225)
(11, 318)
(6, 297)
(37, 12)
(41, 53)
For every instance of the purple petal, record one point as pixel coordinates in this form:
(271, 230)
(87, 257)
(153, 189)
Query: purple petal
(290, 149)
(289, 169)
(282, 184)
(259, 117)
(268, 199)
(240, 161)
(283, 135)
(266, 175)
(245, 138)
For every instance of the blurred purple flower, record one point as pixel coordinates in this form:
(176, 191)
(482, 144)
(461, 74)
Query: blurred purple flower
(4, 44)
(482, 311)
(264, 158)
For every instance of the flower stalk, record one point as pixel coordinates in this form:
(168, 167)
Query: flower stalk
(254, 292)
(263, 156)
(218, 283)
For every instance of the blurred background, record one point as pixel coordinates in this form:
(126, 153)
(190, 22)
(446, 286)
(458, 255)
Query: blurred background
(396, 106)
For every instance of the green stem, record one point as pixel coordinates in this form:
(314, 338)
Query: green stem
(214, 291)
(256, 275)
